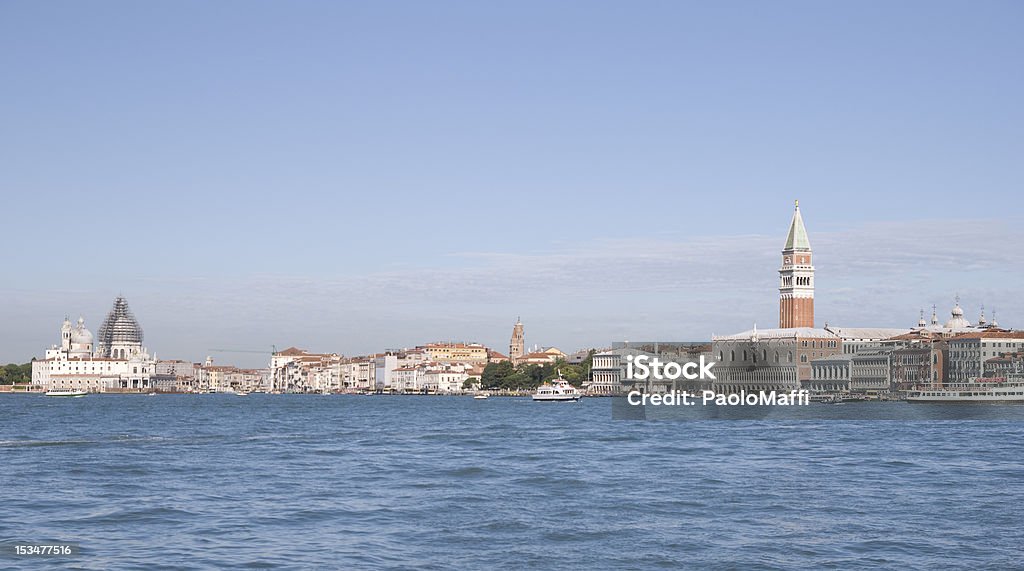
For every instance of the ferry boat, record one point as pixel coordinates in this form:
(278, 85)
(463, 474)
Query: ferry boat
(984, 390)
(558, 390)
(65, 393)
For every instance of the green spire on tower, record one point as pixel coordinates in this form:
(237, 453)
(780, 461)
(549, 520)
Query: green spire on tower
(797, 237)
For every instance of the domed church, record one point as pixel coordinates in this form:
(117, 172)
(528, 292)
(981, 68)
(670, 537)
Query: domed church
(115, 360)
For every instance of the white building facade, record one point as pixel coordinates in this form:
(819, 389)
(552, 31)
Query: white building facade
(115, 361)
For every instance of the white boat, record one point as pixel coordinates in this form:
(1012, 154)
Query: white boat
(558, 390)
(241, 393)
(983, 390)
(480, 396)
(65, 393)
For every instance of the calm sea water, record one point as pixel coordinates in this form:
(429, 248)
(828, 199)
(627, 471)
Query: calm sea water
(349, 482)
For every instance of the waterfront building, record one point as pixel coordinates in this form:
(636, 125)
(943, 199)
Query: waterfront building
(609, 374)
(296, 370)
(608, 371)
(445, 379)
(937, 344)
(456, 352)
(384, 366)
(517, 345)
(360, 373)
(407, 378)
(770, 359)
(175, 368)
(968, 352)
(116, 360)
(829, 374)
(870, 372)
(900, 363)
(228, 378)
(1005, 365)
(174, 375)
(913, 367)
(796, 277)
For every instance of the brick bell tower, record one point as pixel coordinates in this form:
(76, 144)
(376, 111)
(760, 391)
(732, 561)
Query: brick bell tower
(796, 277)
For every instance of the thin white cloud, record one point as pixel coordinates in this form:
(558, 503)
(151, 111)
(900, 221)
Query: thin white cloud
(577, 295)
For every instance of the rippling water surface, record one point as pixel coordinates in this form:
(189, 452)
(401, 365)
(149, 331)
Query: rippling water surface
(350, 482)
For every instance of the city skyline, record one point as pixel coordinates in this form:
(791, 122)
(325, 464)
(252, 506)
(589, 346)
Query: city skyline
(346, 177)
(752, 286)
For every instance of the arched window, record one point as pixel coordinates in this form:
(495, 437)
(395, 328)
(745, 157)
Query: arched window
(764, 354)
(720, 356)
(732, 355)
(744, 354)
(776, 356)
(790, 356)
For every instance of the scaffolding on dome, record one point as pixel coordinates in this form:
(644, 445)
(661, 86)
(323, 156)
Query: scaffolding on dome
(120, 327)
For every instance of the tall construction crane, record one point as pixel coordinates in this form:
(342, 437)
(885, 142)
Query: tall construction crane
(273, 350)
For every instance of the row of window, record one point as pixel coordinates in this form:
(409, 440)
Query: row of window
(832, 344)
(753, 355)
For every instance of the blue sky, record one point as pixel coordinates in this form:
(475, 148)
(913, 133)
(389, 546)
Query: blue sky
(348, 176)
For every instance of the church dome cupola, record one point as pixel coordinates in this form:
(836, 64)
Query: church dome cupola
(120, 336)
(957, 320)
(80, 335)
(81, 341)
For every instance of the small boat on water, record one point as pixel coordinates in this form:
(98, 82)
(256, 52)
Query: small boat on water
(65, 393)
(558, 390)
(480, 396)
(241, 393)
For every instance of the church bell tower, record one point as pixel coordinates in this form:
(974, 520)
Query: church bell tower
(796, 277)
(516, 345)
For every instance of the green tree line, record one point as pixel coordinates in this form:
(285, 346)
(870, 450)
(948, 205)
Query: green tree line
(504, 375)
(13, 373)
